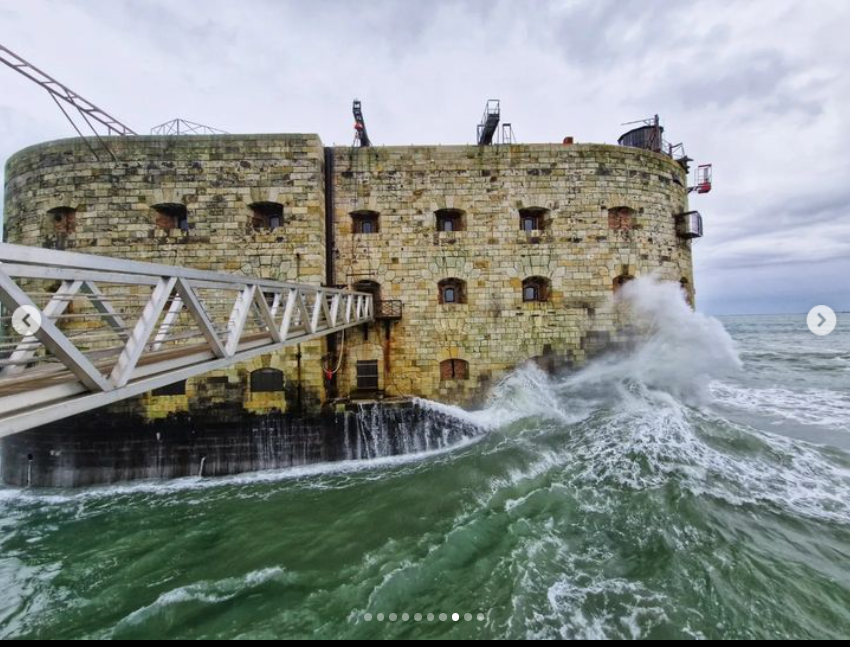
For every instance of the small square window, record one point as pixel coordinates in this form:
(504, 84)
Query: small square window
(535, 289)
(532, 219)
(266, 216)
(452, 291)
(172, 216)
(366, 222)
(367, 375)
(450, 220)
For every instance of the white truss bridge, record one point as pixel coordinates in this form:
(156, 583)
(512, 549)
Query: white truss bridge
(112, 329)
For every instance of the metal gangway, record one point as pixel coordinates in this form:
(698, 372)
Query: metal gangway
(78, 332)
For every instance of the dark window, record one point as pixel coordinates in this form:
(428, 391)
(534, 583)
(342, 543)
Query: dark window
(686, 290)
(452, 291)
(266, 380)
(621, 218)
(178, 388)
(369, 287)
(532, 219)
(621, 281)
(64, 220)
(454, 369)
(450, 220)
(172, 216)
(367, 375)
(534, 289)
(545, 363)
(266, 215)
(366, 222)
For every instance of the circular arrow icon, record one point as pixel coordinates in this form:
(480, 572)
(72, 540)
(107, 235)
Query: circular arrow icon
(26, 321)
(822, 320)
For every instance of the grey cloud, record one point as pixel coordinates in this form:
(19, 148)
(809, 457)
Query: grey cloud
(759, 80)
(608, 31)
(755, 87)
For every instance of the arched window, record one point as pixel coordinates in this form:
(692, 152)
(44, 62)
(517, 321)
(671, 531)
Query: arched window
(64, 220)
(366, 222)
(266, 380)
(535, 289)
(451, 220)
(452, 292)
(532, 219)
(621, 282)
(266, 215)
(621, 218)
(454, 369)
(171, 215)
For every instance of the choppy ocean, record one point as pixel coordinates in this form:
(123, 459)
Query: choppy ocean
(695, 487)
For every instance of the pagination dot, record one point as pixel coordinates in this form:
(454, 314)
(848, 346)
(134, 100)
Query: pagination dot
(368, 617)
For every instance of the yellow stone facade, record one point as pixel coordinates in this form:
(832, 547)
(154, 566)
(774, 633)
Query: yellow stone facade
(580, 250)
(604, 212)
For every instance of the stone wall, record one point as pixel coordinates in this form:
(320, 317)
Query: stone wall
(604, 212)
(59, 196)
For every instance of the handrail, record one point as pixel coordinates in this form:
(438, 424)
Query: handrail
(136, 327)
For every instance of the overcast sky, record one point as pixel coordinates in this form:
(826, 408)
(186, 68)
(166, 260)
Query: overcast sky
(758, 88)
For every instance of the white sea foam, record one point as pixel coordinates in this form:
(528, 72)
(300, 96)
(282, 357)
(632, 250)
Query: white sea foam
(207, 592)
(808, 407)
(645, 432)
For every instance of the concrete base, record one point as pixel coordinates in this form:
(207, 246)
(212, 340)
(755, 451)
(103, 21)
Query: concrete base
(101, 448)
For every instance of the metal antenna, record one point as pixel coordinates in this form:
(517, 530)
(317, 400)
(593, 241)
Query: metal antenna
(184, 127)
(88, 111)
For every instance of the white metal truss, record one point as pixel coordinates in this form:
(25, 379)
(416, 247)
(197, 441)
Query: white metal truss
(113, 329)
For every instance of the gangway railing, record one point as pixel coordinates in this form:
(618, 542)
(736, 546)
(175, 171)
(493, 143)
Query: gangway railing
(78, 332)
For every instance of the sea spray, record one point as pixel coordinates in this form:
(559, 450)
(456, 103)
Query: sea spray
(600, 504)
(677, 350)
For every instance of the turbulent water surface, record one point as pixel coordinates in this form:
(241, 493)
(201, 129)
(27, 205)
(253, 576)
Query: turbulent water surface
(698, 486)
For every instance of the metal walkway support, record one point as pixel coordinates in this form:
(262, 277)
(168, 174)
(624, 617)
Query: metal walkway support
(112, 329)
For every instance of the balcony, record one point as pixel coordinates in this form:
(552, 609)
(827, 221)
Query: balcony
(389, 310)
(689, 225)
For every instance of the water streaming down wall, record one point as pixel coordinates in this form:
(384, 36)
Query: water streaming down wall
(374, 431)
(100, 449)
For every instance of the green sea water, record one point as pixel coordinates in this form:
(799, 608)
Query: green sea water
(695, 487)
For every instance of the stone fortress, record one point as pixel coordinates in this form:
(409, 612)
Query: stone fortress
(481, 258)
